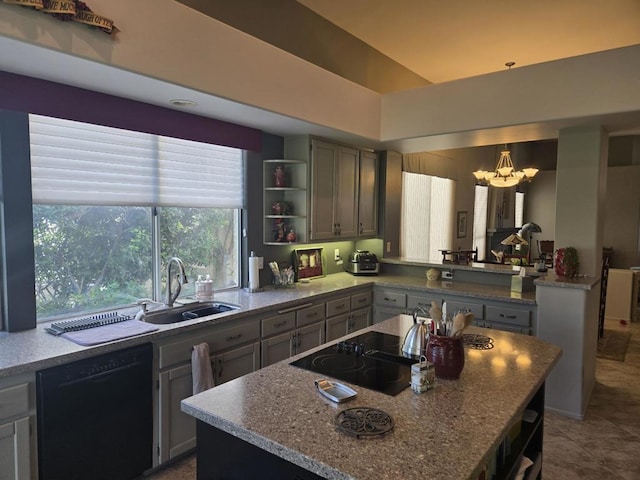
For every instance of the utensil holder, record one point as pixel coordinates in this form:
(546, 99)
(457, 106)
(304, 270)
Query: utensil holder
(447, 355)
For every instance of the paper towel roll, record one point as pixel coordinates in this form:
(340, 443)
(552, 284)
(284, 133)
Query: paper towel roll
(254, 273)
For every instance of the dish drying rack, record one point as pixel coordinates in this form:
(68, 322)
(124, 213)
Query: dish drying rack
(65, 326)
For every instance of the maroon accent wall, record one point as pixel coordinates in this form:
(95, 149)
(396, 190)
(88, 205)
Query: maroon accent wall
(33, 95)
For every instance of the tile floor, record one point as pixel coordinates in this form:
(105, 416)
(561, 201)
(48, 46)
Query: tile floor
(606, 444)
(603, 446)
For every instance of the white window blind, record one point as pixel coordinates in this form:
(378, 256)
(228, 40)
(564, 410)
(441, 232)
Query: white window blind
(426, 216)
(480, 206)
(519, 210)
(76, 163)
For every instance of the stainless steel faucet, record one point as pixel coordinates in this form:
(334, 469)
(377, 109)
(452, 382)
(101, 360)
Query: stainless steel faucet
(181, 276)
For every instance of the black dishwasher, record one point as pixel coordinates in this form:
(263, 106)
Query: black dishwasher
(95, 417)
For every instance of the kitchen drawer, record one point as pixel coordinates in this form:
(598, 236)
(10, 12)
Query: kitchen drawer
(278, 324)
(476, 308)
(511, 316)
(14, 401)
(233, 335)
(309, 315)
(391, 299)
(360, 300)
(338, 307)
(218, 338)
(415, 301)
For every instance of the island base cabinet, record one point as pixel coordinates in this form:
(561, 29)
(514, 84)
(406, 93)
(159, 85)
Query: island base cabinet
(239, 460)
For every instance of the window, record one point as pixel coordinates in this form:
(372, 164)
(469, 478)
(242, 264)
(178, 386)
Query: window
(519, 210)
(112, 206)
(480, 220)
(427, 216)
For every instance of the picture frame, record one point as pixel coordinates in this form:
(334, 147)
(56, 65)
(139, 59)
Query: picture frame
(308, 263)
(462, 224)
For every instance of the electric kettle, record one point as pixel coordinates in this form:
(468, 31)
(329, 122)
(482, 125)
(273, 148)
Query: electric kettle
(415, 342)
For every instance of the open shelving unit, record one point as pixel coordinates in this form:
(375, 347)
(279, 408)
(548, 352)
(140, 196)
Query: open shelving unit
(528, 443)
(285, 207)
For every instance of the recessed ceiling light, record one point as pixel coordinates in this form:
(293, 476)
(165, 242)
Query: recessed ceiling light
(178, 102)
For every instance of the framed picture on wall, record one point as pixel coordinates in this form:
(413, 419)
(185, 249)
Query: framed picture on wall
(308, 262)
(462, 224)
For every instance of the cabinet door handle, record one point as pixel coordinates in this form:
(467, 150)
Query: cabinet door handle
(220, 366)
(389, 299)
(280, 324)
(502, 315)
(234, 337)
(361, 228)
(340, 307)
(312, 315)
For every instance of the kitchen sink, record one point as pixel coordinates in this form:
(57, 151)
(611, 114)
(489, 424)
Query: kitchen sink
(188, 312)
(208, 310)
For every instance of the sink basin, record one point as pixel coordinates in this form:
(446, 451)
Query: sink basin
(188, 312)
(208, 310)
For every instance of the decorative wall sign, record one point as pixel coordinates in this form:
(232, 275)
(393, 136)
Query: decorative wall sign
(69, 10)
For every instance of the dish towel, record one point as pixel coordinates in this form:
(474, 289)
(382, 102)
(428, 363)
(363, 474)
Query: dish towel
(201, 368)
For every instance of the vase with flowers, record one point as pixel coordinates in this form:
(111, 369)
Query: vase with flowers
(566, 262)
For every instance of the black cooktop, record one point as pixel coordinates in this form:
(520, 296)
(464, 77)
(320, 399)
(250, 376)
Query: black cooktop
(372, 360)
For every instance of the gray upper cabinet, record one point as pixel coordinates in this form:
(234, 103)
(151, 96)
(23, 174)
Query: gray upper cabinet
(333, 191)
(343, 189)
(345, 202)
(368, 195)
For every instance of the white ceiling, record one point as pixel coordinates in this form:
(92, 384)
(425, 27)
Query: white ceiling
(444, 40)
(440, 41)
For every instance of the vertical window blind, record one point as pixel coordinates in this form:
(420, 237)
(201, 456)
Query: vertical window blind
(519, 210)
(426, 216)
(480, 206)
(76, 163)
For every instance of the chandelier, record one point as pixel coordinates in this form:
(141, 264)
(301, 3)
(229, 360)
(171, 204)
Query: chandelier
(505, 175)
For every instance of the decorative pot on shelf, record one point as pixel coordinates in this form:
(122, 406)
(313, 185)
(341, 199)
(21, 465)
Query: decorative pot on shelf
(447, 355)
(565, 262)
(279, 177)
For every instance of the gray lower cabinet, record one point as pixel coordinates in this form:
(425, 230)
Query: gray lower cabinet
(348, 323)
(508, 316)
(388, 302)
(235, 351)
(348, 314)
(292, 331)
(15, 440)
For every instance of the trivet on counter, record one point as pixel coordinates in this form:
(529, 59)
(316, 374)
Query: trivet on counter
(478, 342)
(364, 422)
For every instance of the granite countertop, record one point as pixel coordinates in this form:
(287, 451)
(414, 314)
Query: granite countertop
(447, 432)
(581, 282)
(498, 268)
(31, 350)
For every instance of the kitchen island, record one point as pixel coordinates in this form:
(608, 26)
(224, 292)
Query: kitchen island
(275, 422)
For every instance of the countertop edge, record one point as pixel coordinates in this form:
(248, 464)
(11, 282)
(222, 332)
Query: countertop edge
(17, 348)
